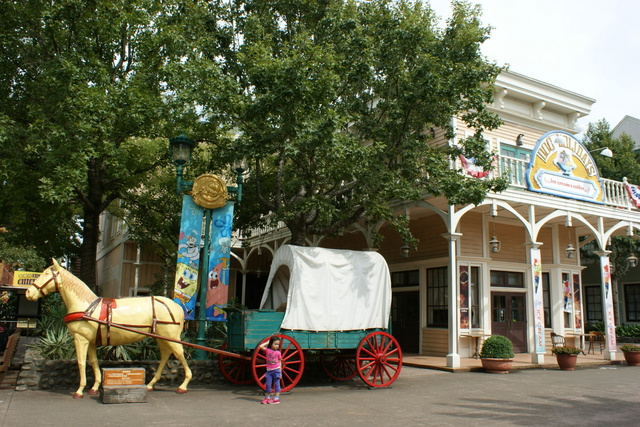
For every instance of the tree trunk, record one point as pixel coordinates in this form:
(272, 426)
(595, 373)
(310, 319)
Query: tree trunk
(89, 249)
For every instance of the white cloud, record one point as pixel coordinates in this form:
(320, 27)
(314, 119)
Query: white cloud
(591, 47)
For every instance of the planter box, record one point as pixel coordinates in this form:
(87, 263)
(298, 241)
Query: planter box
(567, 362)
(632, 357)
(496, 366)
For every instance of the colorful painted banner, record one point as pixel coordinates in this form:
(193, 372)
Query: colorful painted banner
(188, 262)
(567, 300)
(463, 280)
(219, 260)
(609, 321)
(538, 305)
(577, 306)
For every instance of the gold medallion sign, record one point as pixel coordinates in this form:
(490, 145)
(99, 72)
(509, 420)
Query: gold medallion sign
(209, 191)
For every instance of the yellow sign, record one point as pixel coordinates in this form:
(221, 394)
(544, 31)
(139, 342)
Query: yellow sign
(24, 279)
(562, 166)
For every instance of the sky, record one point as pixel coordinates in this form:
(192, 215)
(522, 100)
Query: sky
(590, 47)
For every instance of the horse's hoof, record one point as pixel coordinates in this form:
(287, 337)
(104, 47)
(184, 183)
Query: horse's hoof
(78, 396)
(92, 392)
(181, 391)
(149, 388)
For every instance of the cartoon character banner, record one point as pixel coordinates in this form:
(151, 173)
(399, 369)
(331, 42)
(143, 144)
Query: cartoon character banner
(609, 321)
(219, 260)
(188, 262)
(538, 305)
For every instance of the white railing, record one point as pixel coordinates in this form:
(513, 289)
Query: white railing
(515, 170)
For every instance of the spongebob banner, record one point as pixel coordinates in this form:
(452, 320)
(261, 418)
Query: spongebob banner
(188, 262)
(219, 259)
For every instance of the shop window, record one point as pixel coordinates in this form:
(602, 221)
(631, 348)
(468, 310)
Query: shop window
(593, 303)
(632, 302)
(402, 279)
(437, 302)
(546, 300)
(509, 279)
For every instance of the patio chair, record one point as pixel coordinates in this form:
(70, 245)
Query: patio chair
(596, 339)
(557, 340)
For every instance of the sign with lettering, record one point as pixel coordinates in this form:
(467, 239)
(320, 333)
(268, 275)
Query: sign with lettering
(24, 279)
(560, 165)
(119, 376)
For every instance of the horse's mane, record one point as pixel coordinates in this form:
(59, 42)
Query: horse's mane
(77, 286)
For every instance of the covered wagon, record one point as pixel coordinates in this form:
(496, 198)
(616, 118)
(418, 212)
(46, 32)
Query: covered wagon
(335, 302)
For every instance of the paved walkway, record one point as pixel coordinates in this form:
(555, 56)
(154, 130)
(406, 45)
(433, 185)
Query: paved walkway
(589, 396)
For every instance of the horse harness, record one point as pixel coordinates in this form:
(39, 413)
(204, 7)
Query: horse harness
(105, 314)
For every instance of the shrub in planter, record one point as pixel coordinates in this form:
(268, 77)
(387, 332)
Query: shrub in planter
(631, 354)
(497, 354)
(566, 356)
(497, 347)
(566, 349)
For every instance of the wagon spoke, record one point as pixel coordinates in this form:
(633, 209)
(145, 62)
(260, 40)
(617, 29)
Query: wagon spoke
(378, 359)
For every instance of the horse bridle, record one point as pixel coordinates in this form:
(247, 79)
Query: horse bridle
(54, 277)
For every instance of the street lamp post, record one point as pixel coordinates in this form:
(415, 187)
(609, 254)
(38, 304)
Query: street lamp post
(180, 150)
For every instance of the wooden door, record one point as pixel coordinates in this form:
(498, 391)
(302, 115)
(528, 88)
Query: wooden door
(405, 320)
(509, 318)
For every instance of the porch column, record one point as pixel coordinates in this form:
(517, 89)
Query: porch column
(607, 305)
(453, 358)
(244, 286)
(535, 260)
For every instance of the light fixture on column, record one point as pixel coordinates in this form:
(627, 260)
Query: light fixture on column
(570, 251)
(494, 243)
(632, 260)
(404, 250)
(603, 151)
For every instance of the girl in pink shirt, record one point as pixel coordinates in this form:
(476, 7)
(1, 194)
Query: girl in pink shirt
(274, 370)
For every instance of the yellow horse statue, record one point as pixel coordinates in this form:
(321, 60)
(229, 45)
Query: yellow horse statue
(90, 320)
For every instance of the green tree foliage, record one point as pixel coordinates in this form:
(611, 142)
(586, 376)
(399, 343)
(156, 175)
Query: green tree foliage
(333, 103)
(625, 163)
(85, 102)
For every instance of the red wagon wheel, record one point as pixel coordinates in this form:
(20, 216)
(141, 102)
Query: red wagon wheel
(292, 363)
(379, 359)
(338, 366)
(236, 371)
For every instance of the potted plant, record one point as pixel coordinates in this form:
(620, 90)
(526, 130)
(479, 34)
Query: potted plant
(566, 356)
(631, 354)
(497, 354)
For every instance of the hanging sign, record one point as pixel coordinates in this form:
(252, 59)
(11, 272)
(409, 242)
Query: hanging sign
(538, 305)
(188, 262)
(561, 166)
(219, 260)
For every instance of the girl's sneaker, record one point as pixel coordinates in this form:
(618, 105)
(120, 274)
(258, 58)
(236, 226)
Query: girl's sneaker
(274, 401)
(265, 401)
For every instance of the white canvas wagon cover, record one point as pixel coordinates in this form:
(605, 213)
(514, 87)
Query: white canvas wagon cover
(329, 289)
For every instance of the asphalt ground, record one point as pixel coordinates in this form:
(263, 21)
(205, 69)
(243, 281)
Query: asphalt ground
(593, 396)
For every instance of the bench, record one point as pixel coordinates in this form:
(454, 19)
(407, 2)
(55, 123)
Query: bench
(9, 352)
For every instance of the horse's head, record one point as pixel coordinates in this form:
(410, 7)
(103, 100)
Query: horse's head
(45, 284)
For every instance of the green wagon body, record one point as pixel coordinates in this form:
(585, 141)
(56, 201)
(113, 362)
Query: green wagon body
(246, 329)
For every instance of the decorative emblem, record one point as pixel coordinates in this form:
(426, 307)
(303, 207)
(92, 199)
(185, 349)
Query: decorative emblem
(209, 191)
